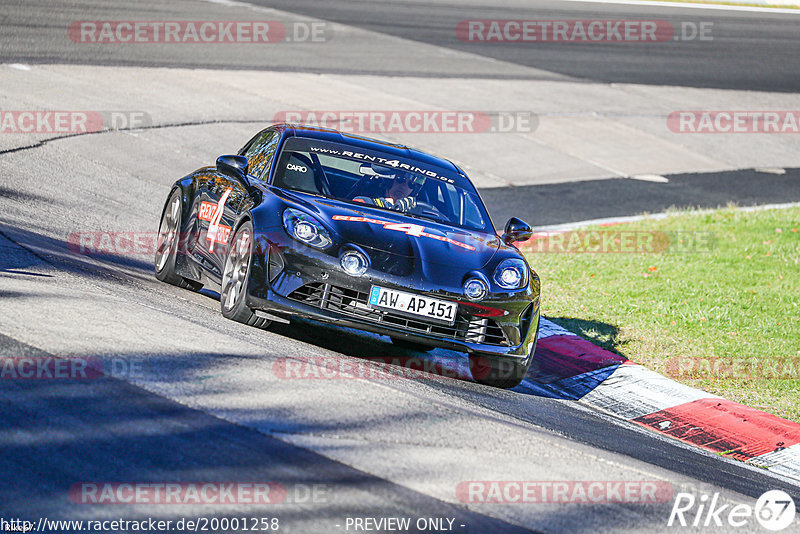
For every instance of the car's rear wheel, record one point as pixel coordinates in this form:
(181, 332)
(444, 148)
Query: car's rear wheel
(410, 345)
(235, 277)
(169, 245)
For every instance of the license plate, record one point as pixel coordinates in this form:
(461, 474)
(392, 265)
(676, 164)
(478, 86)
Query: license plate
(410, 303)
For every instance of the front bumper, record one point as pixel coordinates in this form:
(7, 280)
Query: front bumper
(294, 280)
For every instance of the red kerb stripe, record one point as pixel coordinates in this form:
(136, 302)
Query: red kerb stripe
(725, 426)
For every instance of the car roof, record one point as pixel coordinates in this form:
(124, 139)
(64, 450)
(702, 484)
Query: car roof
(335, 136)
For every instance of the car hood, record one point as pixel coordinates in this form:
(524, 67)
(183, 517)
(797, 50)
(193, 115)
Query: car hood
(401, 235)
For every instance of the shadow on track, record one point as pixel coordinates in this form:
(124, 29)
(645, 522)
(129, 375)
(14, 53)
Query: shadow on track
(137, 448)
(25, 249)
(60, 434)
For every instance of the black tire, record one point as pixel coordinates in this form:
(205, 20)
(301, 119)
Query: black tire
(498, 372)
(235, 276)
(501, 372)
(170, 244)
(410, 345)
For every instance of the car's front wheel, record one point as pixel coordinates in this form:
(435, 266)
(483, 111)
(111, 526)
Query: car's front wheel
(498, 372)
(235, 276)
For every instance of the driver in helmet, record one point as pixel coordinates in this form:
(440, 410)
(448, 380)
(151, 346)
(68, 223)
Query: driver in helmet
(398, 193)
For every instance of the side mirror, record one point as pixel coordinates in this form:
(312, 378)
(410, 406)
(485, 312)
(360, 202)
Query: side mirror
(235, 167)
(516, 230)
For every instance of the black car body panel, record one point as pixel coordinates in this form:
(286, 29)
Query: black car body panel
(290, 278)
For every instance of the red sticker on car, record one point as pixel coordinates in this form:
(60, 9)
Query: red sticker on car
(217, 233)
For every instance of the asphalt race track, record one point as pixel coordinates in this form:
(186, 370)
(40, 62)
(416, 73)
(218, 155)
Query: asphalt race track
(619, 197)
(752, 51)
(187, 396)
(749, 52)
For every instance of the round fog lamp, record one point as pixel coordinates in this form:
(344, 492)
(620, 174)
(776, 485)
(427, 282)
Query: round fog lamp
(475, 289)
(354, 263)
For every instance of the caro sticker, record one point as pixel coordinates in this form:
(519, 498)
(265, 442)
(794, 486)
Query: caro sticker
(408, 229)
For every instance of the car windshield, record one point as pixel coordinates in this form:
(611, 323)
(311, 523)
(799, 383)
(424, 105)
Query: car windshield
(381, 180)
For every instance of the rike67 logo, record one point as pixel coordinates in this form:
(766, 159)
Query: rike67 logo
(774, 510)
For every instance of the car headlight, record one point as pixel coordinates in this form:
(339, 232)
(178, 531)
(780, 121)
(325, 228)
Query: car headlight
(305, 228)
(511, 274)
(475, 289)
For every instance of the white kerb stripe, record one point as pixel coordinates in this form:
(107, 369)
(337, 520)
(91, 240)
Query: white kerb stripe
(548, 328)
(785, 462)
(633, 391)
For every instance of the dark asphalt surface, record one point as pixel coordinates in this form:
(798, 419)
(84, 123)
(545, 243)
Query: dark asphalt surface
(755, 51)
(562, 203)
(102, 429)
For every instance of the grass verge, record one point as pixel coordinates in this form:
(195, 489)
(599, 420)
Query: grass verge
(709, 298)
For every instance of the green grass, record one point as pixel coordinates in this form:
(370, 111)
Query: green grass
(726, 289)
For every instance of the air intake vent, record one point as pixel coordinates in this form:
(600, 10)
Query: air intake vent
(353, 303)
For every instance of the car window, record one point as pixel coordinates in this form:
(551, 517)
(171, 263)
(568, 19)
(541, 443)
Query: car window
(337, 171)
(465, 207)
(260, 153)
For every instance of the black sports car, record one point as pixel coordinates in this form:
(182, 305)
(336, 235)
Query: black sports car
(315, 223)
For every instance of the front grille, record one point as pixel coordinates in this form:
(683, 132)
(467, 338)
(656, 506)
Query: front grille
(354, 304)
